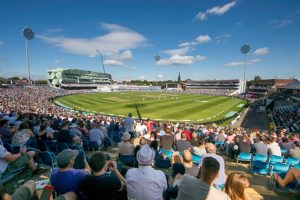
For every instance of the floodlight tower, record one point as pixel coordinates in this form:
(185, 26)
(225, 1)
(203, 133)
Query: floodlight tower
(28, 35)
(157, 59)
(101, 60)
(245, 50)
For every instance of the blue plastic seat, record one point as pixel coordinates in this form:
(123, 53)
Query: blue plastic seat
(279, 168)
(48, 158)
(162, 163)
(292, 161)
(62, 146)
(168, 153)
(297, 166)
(276, 159)
(52, 146)
(94, 146)
(127, 159)
(196, 159)
(283, 151)
(260, 157)
(86, 144)
(244, 157)
(260, 167)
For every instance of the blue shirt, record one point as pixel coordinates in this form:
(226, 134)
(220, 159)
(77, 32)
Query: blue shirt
(67, 181)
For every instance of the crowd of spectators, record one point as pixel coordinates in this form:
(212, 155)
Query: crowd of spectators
(28, 120)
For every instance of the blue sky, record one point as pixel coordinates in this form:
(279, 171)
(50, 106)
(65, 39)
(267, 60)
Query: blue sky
(201, 39)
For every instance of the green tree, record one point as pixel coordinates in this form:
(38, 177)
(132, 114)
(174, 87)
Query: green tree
(257, 78)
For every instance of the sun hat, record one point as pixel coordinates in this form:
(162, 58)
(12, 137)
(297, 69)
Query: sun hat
(65, 156)
(126, 136)
(145, 155)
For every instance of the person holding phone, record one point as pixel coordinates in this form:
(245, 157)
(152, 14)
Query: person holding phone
(102, 183)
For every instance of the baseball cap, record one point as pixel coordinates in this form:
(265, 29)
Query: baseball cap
(65, 156)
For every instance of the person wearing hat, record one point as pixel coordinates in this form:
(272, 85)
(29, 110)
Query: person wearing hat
(65, 178)
(145, 182)
(64, 135)
(74, 130)
(125, 147)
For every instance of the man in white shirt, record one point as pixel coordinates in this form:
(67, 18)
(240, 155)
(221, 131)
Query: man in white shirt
(273, 147)
(145, 183)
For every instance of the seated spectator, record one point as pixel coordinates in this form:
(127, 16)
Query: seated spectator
(292, 175)
(96, 134)
(178, 133)
(101, 183)
(145, 182)
(178, 170)
(260, 147)
(211, 152)
(74, 130)
(190, 167)
(65, 178)
(235, 186)
(187, 133)
(5, 133)
(194, 139)
(200, 149)
(154, 146)
(142, 142)
(64, 135)
(285, 143)
(167, 140)
(183, 144)
(273, 147)
(221, 136)
(28, 191)
(125, 147)
(42, 137)
(192, 188)
(10, 162)
(244, 144)
(23, 135)
(294, 152)
(153, 137)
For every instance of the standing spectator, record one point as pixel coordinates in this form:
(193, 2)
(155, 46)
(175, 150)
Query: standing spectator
(145, 182)
(101, 183)
(294, 152)
(96, 134)
(65, 178)
(235, 186)
(149, 125)
(5, 133)
(194, 140)
(211, 152)
(192, 188)
(125, 147)
(167, 140)
(129, 122)
(187, 133)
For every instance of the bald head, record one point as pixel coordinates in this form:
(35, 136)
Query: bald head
(210, 148)
(187, 156)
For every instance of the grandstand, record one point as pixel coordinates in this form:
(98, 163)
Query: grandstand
(214, 87)
(77, 79)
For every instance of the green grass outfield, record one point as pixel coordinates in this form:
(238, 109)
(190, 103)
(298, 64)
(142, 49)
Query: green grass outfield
(156, 105)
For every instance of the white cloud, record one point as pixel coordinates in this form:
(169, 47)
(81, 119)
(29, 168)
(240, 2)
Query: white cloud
(113, 63)
(55, 30)
(117, 39)
(180, 51)
(180, 60)
(142, 77)
(261, 51)
(186, 44)
(217, 10)
(201, 39)
(280, 23)
(121, 56)
(159, 76)
(57, 61)
(222, 38)
(239, 63)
